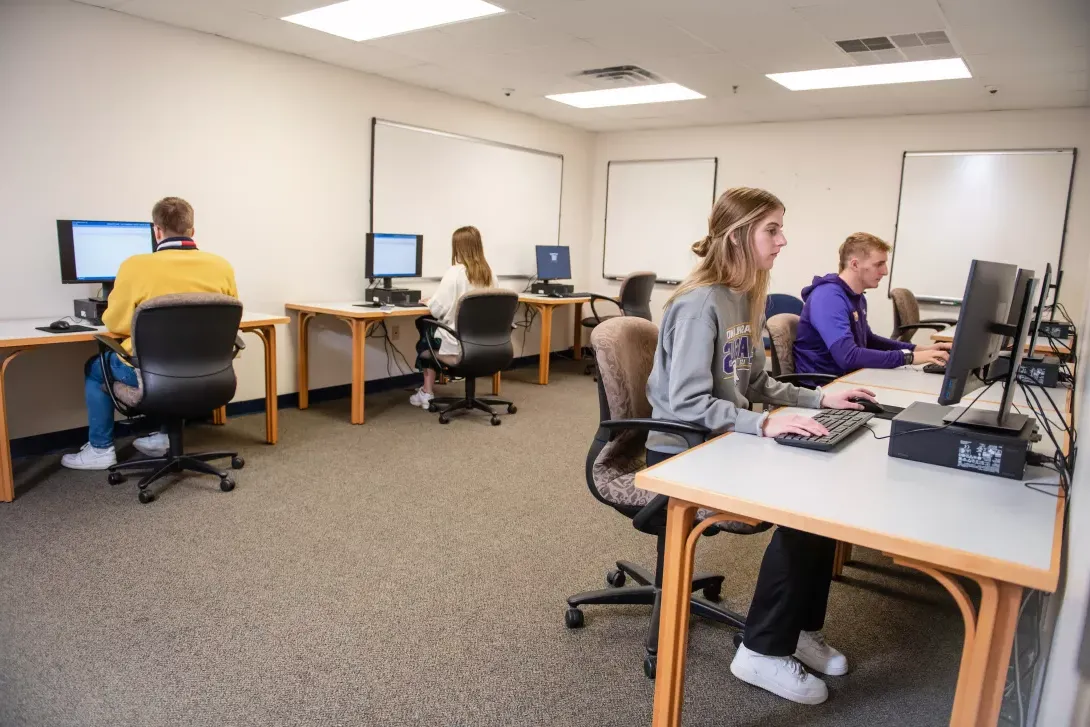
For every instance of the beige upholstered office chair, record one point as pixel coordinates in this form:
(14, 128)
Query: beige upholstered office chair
(625, 347)
(783, 329)
(906, 316)
(633, 299)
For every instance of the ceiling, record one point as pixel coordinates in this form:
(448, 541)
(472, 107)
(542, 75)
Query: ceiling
(1035, 53)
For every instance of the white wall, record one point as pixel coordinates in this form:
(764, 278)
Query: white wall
(841, 176)
(104, 113)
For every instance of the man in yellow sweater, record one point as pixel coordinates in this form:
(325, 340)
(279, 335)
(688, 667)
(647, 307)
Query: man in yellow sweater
(176, 266)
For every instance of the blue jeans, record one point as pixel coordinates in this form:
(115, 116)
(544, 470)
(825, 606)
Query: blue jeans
(100, 407)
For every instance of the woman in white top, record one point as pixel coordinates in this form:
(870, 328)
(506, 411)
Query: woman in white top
(468, 271)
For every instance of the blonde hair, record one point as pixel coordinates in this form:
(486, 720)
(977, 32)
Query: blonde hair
(859, 244)
(467, 249)
(726, 252)
(174, 216)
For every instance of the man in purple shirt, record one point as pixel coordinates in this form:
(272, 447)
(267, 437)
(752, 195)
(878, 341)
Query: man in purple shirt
(833, 336)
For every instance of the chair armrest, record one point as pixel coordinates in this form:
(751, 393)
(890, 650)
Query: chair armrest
(431, 348)
(642, 520)
(607, 299)
(111, 344)
(240, 345)
(922, 324)
(796, 378)
(939, 321)
(656, 425)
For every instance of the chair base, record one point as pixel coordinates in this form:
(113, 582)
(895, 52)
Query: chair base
(175, 461)
(447, 405)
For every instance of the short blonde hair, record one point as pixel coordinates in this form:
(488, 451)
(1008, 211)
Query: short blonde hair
(859, 244)
(174, 216)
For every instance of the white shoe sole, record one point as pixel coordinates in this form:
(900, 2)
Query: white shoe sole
(823, 668)
(150, 451)
(88, 467)
(750, 676)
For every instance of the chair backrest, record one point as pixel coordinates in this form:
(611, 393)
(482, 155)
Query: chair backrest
(906, 312)
(782, 303)
(483, 322)
(185, 346)
(635, 294)
(624, 348)
(783, 329)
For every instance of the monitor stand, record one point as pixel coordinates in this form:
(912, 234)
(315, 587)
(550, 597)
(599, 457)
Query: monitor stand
(987, 419)
(103, 293)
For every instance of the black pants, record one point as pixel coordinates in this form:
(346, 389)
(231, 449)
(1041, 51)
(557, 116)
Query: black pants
(792, 588)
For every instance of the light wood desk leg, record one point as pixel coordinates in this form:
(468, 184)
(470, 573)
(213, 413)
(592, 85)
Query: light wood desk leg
(7, 476)
(267, 335)
(303, 364)
(841, 558)
(985, 654)
(577, 334)
(546, 344)
(677, 571)
(359, 361)
(219, 416)
(496, 384)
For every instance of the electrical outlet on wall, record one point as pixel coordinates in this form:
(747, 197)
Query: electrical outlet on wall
(395, 331)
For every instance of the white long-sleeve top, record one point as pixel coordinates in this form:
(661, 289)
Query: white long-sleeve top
(443, 304)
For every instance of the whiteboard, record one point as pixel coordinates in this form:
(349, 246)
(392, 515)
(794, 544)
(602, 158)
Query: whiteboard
(1004, 206)
(430, 183)
(655, 210)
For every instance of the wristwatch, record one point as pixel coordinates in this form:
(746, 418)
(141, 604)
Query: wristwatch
(909, 356)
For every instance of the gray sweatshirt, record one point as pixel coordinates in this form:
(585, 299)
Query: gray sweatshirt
(709, 366)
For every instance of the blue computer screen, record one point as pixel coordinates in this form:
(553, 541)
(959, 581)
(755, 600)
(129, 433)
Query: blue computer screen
(553, 262)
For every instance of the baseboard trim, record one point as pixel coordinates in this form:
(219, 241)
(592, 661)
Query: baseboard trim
(37, 445)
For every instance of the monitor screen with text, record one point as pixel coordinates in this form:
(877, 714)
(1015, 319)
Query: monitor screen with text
(92, 251)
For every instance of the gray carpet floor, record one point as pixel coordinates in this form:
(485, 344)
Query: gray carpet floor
(400, 573)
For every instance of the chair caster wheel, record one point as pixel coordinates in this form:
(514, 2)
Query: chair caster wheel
(511, 408)
(227, 483)
(115, 478)
(432, 408)
(650, 666)
(615, 578)
(737, 639)
(145, 497)
(444, 419)
(713, 593)
(573, 618)
(237, 463)
(495, 421)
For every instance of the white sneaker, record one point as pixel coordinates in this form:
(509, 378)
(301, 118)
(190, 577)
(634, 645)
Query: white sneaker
(781, 675)
(421, 399)
(90, 458)
(153, 445)
(819, 656)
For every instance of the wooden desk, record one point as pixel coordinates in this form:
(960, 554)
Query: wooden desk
(545, 306)
(360, 320)
(18, 336)
(1043, 347)
(916, 513)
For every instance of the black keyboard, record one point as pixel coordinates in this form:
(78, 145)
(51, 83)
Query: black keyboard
(934, 368)
(841, 423)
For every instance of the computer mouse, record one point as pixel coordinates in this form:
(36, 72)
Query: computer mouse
(60, 325)
(868, 405)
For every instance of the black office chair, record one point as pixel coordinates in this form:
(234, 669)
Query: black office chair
(633, 299)
(183, 348)
(783, 329)
(906, 316)
(626, 352)
(483, 320)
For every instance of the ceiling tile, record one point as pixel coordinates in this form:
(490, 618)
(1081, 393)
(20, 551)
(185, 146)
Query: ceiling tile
(868, 18)
(209, 16)
(1000, 26)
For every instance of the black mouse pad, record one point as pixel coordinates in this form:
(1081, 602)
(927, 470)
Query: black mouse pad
(71, 329)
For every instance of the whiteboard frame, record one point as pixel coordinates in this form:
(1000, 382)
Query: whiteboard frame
(1067, 209)
(375, 121)
(605, 218)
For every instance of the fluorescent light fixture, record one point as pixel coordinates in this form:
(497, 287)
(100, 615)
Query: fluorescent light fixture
(368, 19)
(876, 75)
(629, 96)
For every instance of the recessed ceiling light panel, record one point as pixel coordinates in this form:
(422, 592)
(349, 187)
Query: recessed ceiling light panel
(628, 96)
(369, 19)
(876, 75)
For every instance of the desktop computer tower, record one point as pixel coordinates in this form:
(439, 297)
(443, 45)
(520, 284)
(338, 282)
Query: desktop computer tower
(552, 289)
(1062, 331)
(920, 434)
(392, 296)
(89, 310)
(1038, 371)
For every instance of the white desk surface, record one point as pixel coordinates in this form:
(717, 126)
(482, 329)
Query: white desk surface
(23, 331)
(859, 494)
(913, 378)
(1044, 346)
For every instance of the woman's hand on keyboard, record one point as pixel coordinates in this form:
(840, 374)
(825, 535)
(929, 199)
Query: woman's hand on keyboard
(793, 424)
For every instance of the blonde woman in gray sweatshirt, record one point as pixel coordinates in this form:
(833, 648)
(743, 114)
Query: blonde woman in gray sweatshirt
(709, 367)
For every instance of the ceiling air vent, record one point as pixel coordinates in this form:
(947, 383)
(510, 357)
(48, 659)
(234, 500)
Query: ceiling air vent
(928, 46)
(617, 77)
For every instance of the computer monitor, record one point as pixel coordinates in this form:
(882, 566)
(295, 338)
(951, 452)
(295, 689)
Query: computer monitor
(982, 327)
(392, 255)
(1021, 286)
(91, 251)
(553, 262)
(1035, 326)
